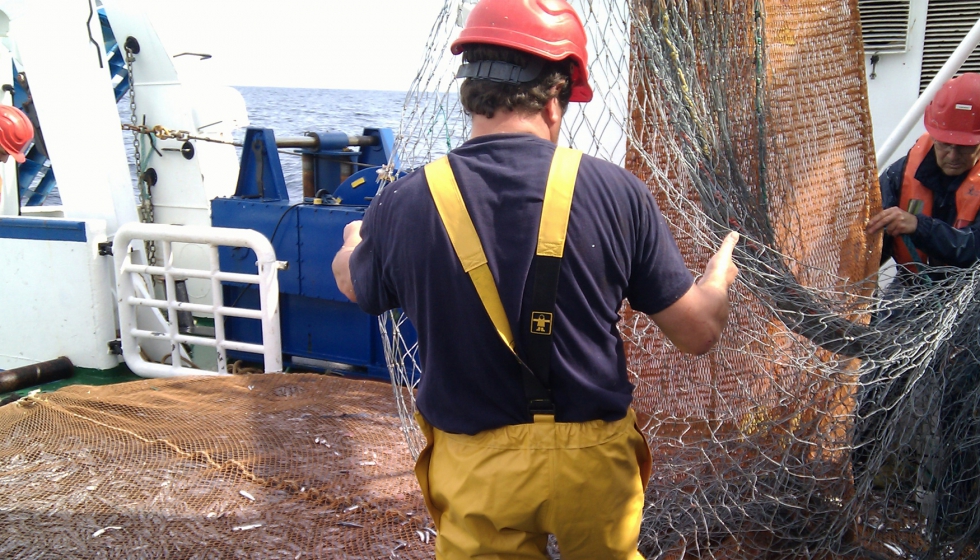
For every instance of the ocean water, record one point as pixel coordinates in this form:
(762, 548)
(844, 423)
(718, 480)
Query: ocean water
(292, 112)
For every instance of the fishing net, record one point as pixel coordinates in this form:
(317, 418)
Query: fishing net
(838, 415)
(836, 418)
(251, 466)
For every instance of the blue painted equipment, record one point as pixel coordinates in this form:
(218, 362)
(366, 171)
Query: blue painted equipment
(321, 328)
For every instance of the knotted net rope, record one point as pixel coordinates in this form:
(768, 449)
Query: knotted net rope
(838, 415)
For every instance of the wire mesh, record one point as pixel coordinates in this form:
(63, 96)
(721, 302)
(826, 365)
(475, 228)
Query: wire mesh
(837, 417)
(252, 466)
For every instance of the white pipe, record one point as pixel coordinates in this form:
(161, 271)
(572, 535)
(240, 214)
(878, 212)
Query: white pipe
(157, 305)
(218, 298)
(140, 284)
(952, 65)
(184, 273)
(269, 298)
(172, 323)
(200, 341)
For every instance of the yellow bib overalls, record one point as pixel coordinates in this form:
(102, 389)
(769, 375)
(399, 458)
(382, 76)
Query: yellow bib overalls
(499, 493)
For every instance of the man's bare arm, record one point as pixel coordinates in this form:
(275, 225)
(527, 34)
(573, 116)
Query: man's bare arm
(341, 262)
(695, 321)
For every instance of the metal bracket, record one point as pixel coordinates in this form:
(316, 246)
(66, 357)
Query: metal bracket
(105, 249)
(131, 44)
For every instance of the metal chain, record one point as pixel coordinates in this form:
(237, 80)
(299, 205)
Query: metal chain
(146, 203)
(164, 133)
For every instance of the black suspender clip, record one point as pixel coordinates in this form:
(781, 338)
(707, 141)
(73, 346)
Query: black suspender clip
(541, 406)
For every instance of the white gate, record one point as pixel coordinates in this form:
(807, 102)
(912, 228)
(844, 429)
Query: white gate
(132, 293)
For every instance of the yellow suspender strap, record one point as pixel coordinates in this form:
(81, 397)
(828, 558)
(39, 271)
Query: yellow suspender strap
(462, 234)
(466, 241)
(558, 202)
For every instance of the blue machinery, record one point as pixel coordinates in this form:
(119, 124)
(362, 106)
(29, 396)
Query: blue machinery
(321, 328)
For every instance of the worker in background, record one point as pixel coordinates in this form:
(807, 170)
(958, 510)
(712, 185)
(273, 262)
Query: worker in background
(930, 201)
(16, 132)
(512, 257)
(930, 198)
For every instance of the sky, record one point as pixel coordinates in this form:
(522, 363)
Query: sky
(332, 44)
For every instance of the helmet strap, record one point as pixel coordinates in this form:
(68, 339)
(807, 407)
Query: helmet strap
(500, 71)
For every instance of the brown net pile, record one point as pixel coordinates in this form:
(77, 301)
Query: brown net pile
(253, 466)
(774, 142)
(838, 416)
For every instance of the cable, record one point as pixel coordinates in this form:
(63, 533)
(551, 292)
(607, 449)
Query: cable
(88, 26)
(272, 240)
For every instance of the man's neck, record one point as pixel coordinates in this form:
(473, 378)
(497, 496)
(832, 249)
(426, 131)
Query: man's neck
(510, 122)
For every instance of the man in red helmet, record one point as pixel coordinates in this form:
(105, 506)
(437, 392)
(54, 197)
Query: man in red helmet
(931, 196)
(512, 257)
(16, 131)
(930, 200)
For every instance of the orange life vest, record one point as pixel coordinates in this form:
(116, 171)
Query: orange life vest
(914, 194)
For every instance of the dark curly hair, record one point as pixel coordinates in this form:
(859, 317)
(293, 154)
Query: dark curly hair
(483, 97)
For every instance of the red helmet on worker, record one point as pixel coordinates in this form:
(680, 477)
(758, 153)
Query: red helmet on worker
(953, 116)
(549, 29)
(16, 131)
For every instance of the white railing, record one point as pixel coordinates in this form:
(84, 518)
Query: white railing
(953, 64)
(129, 280)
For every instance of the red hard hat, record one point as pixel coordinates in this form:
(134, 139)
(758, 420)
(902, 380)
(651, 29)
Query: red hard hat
(549, 29)
(953, 116)
(16, 131)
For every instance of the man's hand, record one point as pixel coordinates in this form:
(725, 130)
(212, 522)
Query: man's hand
(695, 321)
(352, 234)
(720, 271)
(893, 221)
(341, 262)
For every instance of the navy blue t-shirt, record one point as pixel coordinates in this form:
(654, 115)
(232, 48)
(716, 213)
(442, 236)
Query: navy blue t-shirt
(618, 246)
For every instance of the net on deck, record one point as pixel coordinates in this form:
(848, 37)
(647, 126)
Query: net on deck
(252, 466)
(838, 415)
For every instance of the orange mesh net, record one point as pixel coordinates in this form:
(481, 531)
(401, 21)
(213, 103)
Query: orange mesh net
(799, 131)
(253, 466)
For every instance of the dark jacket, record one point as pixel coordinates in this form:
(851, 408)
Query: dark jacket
(935, 236)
